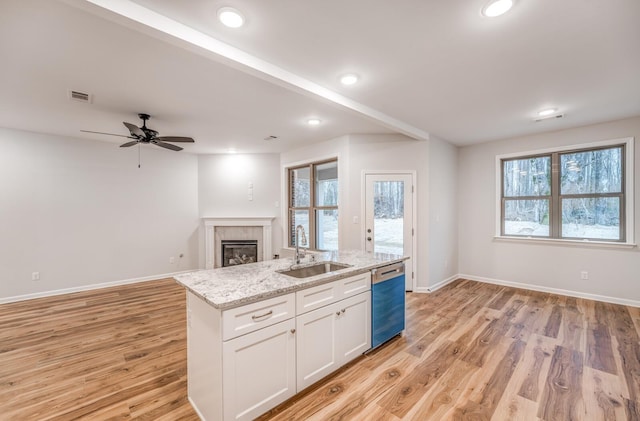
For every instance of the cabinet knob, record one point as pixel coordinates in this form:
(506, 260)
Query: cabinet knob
(338, 313)
(293, 331)
(342, 311)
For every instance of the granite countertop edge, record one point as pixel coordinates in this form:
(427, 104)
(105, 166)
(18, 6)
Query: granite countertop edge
(226, 288)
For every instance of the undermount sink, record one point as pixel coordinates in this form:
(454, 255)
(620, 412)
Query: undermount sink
(313, 270)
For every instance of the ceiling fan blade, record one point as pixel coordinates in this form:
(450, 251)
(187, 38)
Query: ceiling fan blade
(175, 139)
(135, 130)
(126, 145)
(166, 145)
(109, 134)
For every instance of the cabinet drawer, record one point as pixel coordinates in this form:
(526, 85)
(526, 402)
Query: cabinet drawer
(317, 296)
(354, 285)
(240, 320)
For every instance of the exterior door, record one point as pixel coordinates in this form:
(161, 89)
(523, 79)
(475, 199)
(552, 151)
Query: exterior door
(389, 217)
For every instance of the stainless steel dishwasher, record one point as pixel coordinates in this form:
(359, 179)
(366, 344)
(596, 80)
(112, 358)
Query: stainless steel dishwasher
(387, 303)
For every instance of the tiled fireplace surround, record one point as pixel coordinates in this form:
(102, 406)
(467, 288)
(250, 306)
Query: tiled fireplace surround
(237, 228)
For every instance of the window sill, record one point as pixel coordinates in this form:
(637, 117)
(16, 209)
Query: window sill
(569, 243)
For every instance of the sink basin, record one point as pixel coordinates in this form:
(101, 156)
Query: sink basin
(313, 270)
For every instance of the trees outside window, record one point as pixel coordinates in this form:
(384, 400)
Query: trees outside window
(313, 203)
(573, 194)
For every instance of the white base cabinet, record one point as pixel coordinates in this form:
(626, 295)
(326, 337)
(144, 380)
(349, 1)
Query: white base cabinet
(246, 360)
(331, 336)
(259, 371)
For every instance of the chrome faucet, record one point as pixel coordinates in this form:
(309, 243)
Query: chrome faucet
(299, 238)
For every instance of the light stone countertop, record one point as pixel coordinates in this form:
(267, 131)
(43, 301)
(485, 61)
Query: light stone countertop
(233, 286)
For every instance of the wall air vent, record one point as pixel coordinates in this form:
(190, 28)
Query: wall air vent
(551, 117)
(80, 96)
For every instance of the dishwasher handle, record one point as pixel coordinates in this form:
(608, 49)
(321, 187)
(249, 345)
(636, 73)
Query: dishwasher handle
(385, 273)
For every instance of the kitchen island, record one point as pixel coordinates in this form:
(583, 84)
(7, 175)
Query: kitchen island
(257, 336)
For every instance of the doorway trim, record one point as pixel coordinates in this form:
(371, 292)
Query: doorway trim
(414, 217)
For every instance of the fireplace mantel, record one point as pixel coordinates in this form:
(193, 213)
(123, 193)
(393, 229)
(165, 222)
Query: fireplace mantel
(210, 224)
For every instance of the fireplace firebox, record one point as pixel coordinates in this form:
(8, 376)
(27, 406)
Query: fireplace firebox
(239, 252)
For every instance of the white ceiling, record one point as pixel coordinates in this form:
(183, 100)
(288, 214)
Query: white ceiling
(426, 67)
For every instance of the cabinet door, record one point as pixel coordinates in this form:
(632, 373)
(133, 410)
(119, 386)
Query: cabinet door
(354, 327)
(316, 344)
(259, 371)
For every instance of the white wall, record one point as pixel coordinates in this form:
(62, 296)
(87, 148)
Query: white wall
(612, 272)
(223, 189)
(443, 212)
(81, 213)
(357, 153)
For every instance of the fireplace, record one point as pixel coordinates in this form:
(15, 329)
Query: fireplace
(238, 252)
(236, 228)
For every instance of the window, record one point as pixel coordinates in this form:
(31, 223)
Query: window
(313, 203)
(572, 194)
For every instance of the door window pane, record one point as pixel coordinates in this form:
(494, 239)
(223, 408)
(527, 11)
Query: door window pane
(594, 171)
(527, 177)
(526, 217)
(590, 217)
(327, 229)
(388, 217)
(326, 178)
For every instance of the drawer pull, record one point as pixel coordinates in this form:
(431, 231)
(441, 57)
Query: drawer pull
(269, 313)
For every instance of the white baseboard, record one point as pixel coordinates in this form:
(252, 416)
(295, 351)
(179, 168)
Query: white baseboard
(576, 294)
(437, 286)
(52, 293)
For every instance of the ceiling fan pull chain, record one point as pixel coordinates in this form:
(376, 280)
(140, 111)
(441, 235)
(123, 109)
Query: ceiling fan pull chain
(138, 155)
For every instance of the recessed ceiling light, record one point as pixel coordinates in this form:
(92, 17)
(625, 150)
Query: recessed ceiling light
(547, 112)
(496, 8)
(349, 79)
(230, 17)
(313, 122)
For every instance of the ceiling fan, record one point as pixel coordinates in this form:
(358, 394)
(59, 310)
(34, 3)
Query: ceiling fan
(146, 135)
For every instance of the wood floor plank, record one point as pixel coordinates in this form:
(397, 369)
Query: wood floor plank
(535, 365)
(604, 398)
(562, 395)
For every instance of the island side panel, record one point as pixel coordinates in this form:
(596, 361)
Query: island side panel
(204, 358)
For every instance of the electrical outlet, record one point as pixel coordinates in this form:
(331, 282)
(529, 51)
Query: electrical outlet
(584, 275)
(172, 260)
(35, 276)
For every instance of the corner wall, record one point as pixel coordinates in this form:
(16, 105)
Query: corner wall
(613, 272)
(82, 214)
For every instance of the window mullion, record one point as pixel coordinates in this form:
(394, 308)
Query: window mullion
(312, 206)
(555, 207)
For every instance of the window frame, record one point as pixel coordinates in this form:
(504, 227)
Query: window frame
(312, 240)
(555, 199)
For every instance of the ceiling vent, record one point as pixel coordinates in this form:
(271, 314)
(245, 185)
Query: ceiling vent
(551, 117)
(80, 96)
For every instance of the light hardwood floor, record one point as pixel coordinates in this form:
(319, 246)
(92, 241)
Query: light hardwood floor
(471, 351)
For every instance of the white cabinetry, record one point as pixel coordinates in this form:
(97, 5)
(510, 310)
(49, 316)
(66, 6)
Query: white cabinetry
(330, 336)
(246, 360)
(259, 371)
(242, 361)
